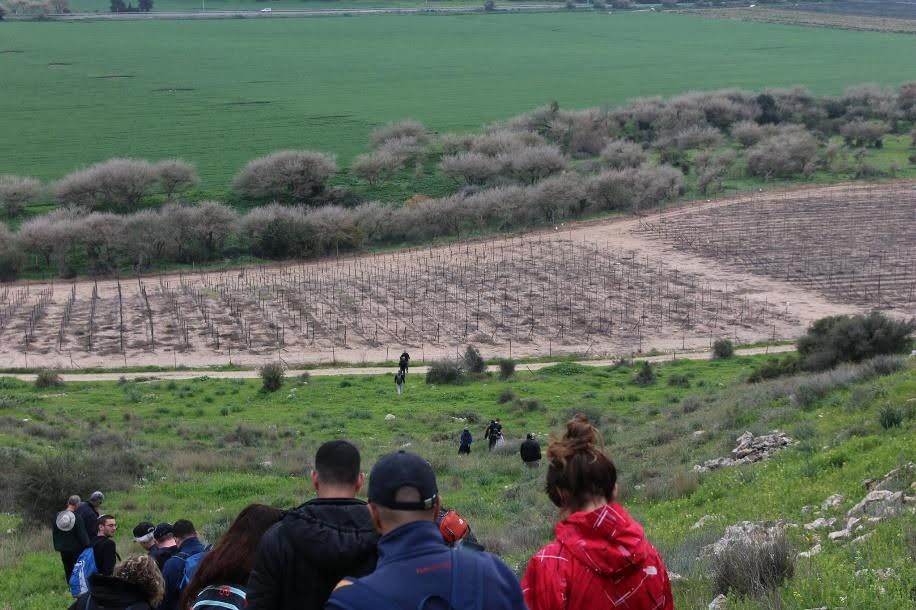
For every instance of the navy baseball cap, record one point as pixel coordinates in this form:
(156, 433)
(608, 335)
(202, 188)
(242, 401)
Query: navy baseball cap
(162, 530)
(402, 469)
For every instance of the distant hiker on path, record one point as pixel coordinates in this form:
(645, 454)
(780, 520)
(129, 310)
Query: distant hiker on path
(69, 535)
(404, 362)
(530, 451)
(493, 433)
(399, 381)
(466, 440)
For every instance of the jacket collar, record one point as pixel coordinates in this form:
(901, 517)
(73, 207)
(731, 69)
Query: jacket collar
(417, 538)
(190, 544)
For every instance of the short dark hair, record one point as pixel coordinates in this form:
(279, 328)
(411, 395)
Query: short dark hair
(183, 529)
(103, 519)
(337, 463)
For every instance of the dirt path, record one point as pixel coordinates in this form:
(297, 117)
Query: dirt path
(381, 370)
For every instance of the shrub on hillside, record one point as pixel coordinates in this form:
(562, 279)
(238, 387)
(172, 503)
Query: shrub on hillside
(376, 166)
(46, 378)
(782, 155)
(534, 163)
(773, 368)
(444, 372)
(119, 184)
(621, 154)
(42, 484)
(288, 176)
(645, 375)
(750, 569)
(747, 133)
(471, 167)
(272, 375)
(506, 368)
(890, 417)
(723, 348)
(473, 361)
(861, 133)
(176, 176)
(11, 256)
(16, 192)
(507, 395)
(836, 339)
(403, 131)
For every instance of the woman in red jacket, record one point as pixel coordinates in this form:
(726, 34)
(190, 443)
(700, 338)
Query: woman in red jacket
(600, 558)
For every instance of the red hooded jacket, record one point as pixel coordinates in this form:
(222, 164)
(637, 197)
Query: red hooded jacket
(600, 559)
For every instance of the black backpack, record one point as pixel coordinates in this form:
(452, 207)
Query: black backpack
(221, 597)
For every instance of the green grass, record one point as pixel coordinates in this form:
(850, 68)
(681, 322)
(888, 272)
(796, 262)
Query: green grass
(90, 6)
(207, 441)
(220, 93)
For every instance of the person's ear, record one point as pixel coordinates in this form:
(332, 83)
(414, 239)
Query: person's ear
(360, 480)
(315, 482)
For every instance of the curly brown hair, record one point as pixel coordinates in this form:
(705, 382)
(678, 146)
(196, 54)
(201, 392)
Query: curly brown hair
(142, 571)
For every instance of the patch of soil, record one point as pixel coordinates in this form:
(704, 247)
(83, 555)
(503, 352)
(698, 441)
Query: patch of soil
(173, 89)
(251, 103)
(115, 76)
(59, 64)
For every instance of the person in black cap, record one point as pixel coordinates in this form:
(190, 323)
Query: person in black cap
(416, 568)
(143, 535)
(165, 545)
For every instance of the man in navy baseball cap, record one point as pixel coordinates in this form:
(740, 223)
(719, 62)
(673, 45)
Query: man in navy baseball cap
(415, 564)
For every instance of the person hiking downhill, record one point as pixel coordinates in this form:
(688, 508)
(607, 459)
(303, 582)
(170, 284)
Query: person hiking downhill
(175, 570)
(399, 381)
(301, 558)
(404, 362)
(530, 451)
(69, 535)
(416, 568)
(493, 433)
(465, 442)
(135, 585)
(220, 582)
(600, 557)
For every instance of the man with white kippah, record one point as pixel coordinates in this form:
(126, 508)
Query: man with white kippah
(69, 535)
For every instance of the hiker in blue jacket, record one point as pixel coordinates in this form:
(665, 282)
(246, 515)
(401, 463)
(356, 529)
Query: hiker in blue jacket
(415, 567)
(174, 569)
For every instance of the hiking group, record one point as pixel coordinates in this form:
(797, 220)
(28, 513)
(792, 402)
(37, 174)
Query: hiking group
(401, 549)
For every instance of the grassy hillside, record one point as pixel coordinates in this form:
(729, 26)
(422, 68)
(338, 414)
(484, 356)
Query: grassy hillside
(212, 446)
(220, 93)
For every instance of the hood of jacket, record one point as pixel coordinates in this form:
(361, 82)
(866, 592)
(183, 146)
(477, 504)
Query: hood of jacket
(112, 592)
(335, 533)
(607, 540)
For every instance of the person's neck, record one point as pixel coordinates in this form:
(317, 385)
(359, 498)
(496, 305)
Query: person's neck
(328, 492)
(166, 544)
(591, 505)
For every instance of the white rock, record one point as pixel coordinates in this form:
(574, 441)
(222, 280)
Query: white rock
(833, 501)
(812, 551)
(390, 417)
(719, 603)
(852, 523)
(862, 538)
(879, 503)
(839, 535)
(820, 523)
(703, 521)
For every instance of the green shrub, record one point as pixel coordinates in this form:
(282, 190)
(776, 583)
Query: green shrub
(890, 417)
(645, 375)
(444, 371)
(678, 380)
(753, 569)
(46, 378)
(723, 348)
(691, 404)
(835, 339)
(272, 375)
(473, 361)
(506, 368)
(773, 368)
(505, 396)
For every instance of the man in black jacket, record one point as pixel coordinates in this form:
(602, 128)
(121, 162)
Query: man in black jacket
(530, 451)
(103, 547)
(69, 535)
(301, 559)
(88, 511)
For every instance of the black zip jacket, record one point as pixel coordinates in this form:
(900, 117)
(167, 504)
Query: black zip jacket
(302, 558)
(110, 593)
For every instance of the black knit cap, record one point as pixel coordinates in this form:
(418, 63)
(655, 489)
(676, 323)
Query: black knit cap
(402, 469)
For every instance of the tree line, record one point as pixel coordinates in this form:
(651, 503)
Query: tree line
(543, 167)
